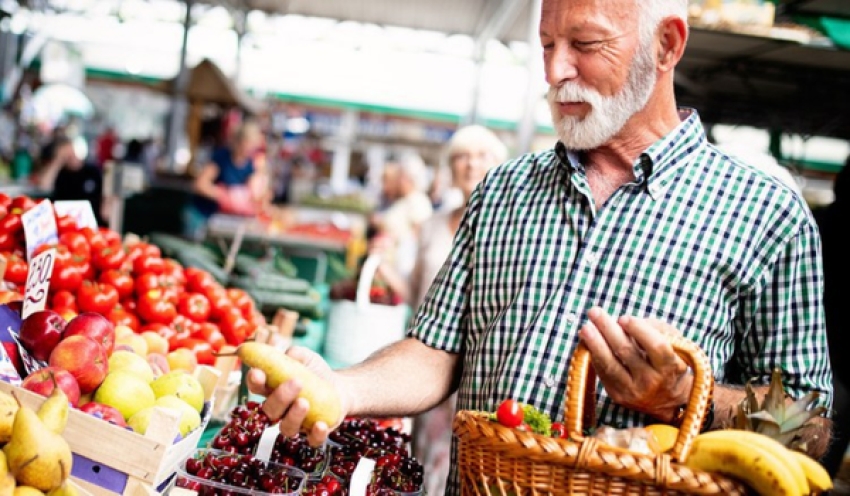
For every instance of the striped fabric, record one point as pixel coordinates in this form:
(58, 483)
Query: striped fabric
(727, 254)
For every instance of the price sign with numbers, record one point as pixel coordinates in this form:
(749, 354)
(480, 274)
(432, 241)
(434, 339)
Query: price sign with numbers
(39, 226)
(38, 281)
(79, 210)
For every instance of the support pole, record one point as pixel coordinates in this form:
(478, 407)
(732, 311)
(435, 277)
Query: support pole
(527, 124)
(177, 119)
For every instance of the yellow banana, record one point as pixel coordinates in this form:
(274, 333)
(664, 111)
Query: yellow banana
(758, 467)
(771, 445)
(818, 477)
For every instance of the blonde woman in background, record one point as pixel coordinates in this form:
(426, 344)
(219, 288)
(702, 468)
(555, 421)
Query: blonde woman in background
(472, 152)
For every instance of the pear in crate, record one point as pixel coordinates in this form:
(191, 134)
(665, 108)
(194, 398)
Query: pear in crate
(27, 491)
(7, 480)
(8, 409)
(37, 456)
(54, 411)
(66, 489)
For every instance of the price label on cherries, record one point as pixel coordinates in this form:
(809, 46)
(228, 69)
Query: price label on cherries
(38, 281)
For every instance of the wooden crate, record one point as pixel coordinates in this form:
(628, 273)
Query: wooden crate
(111, 460)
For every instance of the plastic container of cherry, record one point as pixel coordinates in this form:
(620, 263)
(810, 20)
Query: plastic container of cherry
(211, 472)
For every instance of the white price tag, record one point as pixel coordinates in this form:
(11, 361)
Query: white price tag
(266, 444)
(79, 210)
(362, 477)
(38, 282)
(39, 226)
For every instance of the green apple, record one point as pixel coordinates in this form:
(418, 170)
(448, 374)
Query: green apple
(182, 385)
(190, 419)
(126, 392)
(131, 362)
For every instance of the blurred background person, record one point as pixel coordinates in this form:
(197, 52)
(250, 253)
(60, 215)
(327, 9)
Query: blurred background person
(64, 175)
(406, 206)
(233, 181)
(471, 152)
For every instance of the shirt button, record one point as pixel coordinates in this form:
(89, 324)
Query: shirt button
(590, 258)
(549, 381)
(571, 318)
(654, 189)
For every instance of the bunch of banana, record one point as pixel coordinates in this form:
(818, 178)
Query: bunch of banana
(762, 463)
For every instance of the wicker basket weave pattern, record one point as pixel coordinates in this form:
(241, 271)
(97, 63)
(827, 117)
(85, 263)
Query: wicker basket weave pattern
(496, 460)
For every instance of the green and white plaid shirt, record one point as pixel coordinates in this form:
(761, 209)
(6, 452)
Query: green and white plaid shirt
(722, 251)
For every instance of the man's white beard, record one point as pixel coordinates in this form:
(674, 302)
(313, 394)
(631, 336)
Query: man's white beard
(608, 114)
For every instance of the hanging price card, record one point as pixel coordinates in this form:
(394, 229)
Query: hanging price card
(79, 210)
(38, 281)
(39, 226)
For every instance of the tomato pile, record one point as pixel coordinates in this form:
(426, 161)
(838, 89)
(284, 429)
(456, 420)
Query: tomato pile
(132, 284)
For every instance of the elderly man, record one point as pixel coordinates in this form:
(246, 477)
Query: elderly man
(631, 228)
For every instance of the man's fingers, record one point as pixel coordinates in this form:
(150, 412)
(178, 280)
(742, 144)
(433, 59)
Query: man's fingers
(256, 381)
(653, 340)
(281, 399)
(621, 344)
(290, 423)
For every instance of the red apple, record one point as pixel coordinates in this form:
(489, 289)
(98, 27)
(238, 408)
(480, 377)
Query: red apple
(95, 326)
(41, 332)
(45, 379)
(84, 358)
(104, 412)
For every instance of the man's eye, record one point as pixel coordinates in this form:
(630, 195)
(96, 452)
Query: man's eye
(586, 44)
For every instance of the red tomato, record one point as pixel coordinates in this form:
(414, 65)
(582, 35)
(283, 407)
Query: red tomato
(182, 328)
(202, 350)
(97, 297)
(16, 269)
(66, 277)
(129, 304)
(242, 300)
(210, 333)
(510, 413)
(11, 223)
(64, 299)
(195, 306)
(120, 316)
(152, 307)
(87, 269)
(22, 202)
(77, 244)
(174, 271)
(111, 237)
(198, 280)
(109, 257)
(121, 280)
(235, 329)
(10, 241)
(148, 265)
(65, 224)
(5, 200)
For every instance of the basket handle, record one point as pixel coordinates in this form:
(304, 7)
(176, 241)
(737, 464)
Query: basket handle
(364, 283)
(580, 390)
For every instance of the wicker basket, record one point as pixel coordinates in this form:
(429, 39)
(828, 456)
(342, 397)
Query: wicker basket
(496, 460)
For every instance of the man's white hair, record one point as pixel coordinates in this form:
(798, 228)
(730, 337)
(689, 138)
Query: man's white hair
(653, 11)
(411, 165)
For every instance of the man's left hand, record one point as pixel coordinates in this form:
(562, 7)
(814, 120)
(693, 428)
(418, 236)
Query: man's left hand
(636, 362)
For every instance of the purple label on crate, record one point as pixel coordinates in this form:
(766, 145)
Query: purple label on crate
(98, 474)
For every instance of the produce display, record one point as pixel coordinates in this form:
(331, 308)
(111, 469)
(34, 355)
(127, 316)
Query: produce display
(213, 472)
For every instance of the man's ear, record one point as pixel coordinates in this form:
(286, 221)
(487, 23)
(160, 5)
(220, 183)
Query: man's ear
(672, 39)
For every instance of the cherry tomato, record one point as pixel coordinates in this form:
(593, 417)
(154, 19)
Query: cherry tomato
(195, 306)
(558, 430)
(97, 297)
(109, 257)
(152, 307)
(17, 269)
(121, 280)
(510, 413)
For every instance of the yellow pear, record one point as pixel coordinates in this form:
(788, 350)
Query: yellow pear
(190, 419)
(54, 411)
(7, 480)
(37, 456)
(27, 491)
(8, 409)
(181, 384)
(67, 488)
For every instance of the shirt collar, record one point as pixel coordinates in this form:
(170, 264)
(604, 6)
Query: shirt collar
(654, 164)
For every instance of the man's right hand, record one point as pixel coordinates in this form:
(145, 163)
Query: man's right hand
(283, 402)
